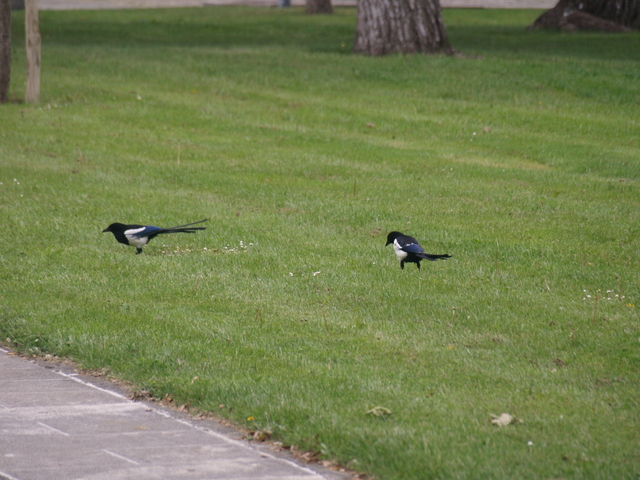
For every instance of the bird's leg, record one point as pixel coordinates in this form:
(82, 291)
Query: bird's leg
(139, 250)
(402, 264)
(418, 264)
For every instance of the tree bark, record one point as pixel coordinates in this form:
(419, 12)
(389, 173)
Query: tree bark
(319, 6)
(32, 31)
(400, 26)
(5, 49)
(603, 15)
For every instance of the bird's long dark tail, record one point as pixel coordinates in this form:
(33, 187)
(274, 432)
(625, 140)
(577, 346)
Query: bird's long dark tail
(433, 258)
(189, 224)
(185, 228)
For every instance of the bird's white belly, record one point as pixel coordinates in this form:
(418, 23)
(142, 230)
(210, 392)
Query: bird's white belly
(134, 240)
(401, 254)
(137, 241)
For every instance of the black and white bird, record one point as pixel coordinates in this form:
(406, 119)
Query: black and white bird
(139, 235)
(408, 250)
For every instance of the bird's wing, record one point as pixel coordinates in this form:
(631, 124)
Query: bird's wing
(409, 244)
(412, 248)
(142, 231)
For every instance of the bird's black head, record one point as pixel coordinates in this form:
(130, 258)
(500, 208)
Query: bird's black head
(113, 227)
(391, 237)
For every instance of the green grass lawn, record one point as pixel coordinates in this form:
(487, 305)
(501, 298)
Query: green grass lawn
(521, 160)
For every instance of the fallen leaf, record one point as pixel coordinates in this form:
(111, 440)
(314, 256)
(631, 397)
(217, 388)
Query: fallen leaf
(503, 420)
(141, 396)
(379, 412)
(261, 435)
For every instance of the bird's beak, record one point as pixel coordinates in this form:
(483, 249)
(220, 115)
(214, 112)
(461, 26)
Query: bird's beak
(105, 230)
(387, 244)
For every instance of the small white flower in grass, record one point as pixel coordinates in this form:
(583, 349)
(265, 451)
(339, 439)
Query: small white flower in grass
(316, 273)
(530, 443)
(291, 274)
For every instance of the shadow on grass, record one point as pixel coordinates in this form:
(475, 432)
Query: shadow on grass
(516, 40)
(479, 32)
(218, 27)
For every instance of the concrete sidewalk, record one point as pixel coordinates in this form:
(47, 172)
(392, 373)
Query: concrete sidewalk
(56, 424)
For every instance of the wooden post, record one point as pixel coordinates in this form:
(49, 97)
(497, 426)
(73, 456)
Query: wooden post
(32, 25)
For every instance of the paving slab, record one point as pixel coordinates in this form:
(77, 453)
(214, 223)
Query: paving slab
(57, 424)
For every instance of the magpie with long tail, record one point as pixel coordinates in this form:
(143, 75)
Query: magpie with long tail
(408, 250)
(139, 235)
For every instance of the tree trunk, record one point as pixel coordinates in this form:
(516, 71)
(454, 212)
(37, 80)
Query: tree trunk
(400, 26)
(319, 6)
(603, 15)
(5, 49)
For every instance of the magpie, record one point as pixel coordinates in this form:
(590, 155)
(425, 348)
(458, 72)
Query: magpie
(139, 235)
(408, 250)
